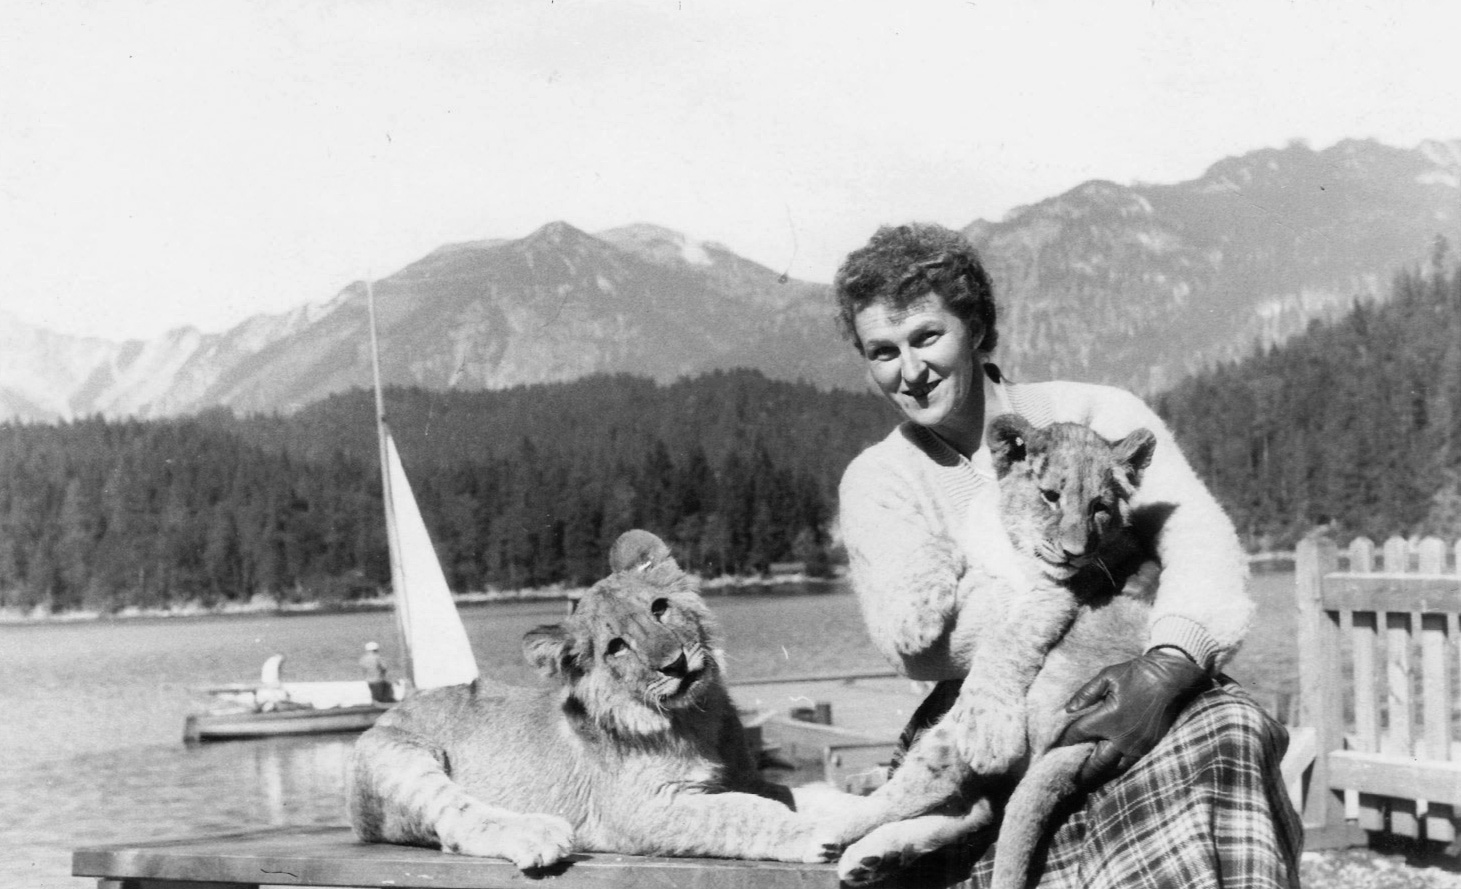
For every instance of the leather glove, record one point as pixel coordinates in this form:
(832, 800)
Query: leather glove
(1131, 706)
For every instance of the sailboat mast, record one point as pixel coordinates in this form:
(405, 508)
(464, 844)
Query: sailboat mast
(393, 538)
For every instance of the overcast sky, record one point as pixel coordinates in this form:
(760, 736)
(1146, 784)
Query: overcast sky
(197, 162)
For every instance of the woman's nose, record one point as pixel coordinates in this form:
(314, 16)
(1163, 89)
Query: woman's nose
(912, 366)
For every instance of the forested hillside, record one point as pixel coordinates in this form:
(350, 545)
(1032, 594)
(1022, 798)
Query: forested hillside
(1357, 422)
(523, 487)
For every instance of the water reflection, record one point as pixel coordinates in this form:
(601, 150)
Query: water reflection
(160, 792)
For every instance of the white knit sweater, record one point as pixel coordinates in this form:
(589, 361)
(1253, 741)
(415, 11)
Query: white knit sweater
(904, 500)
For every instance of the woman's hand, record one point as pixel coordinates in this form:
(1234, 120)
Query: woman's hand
(1131, 706)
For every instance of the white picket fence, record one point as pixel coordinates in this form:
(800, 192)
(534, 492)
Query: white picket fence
(1379, 661)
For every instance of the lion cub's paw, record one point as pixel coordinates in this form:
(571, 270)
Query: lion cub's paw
(832, 834)
(819, 850)
(990, 739)
(528, 841)
(876, 857)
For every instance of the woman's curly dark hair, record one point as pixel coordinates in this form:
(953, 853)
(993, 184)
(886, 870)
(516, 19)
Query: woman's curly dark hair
(901, 263)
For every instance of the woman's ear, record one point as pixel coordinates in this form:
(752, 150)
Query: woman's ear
(1008, 438)
(550, 648)
(976, 340)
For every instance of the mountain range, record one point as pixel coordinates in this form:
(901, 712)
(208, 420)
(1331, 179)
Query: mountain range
(1138, 285)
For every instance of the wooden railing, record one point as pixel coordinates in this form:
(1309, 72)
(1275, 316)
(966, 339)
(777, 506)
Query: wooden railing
(1378, 646)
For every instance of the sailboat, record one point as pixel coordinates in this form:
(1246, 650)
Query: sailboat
(436, 648)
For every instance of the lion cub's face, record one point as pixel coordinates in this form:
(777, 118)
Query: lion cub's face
(1064, 489)
(641, 638)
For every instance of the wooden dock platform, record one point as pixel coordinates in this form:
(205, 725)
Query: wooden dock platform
(866, 711)
(332, 856)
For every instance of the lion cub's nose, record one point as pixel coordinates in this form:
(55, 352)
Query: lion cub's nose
(677, 668)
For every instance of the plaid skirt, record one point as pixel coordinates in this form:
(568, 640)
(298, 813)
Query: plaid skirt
(1206, 808)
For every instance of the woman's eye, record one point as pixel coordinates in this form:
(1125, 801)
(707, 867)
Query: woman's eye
(615, 646)
(658, 608)
(1050, 496)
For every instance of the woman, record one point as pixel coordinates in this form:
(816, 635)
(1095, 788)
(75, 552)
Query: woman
(1184, 778)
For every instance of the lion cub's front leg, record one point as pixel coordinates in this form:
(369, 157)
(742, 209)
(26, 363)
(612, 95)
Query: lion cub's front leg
(400, 792)
(989, 727)
(990, 715)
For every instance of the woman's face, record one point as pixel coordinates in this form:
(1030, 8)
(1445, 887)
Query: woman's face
(922, 360)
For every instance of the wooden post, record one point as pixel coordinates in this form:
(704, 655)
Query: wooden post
(1319, 676)
(1366, 809)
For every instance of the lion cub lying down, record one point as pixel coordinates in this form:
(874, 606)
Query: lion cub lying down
(634, 748)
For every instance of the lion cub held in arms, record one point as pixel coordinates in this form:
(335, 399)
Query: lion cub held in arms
(634, 748)
(1040, 633)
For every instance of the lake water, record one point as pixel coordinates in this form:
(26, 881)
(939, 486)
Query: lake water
(92, 737)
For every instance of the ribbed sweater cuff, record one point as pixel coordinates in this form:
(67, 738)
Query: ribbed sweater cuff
(1186, 634)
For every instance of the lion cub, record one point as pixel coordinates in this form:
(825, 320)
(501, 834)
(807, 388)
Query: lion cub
(635, 747)
(1040, 634)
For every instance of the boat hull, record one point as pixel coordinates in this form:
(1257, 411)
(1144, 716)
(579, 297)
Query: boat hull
(202, 727)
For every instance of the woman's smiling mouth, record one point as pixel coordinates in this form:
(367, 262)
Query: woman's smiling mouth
(920, 392)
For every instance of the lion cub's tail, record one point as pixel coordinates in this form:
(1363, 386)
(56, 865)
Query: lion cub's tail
(1050, 779)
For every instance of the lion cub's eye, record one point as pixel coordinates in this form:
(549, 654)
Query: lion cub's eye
(658, 608)
(1049, 495)
(615, 646)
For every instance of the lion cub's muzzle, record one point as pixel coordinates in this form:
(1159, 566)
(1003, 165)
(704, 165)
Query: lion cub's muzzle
(679, 667)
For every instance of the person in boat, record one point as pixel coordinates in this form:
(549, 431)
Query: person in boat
(1191, 797)
(376, 675)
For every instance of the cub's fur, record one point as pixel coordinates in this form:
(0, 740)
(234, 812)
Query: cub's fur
(634, 748)
(1039, 635)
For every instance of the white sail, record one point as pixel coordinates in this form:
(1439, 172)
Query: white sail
(438, 650)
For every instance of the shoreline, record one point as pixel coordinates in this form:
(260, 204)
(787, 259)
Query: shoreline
(717, 586)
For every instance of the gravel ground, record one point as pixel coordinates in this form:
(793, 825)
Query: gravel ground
(1385, 866)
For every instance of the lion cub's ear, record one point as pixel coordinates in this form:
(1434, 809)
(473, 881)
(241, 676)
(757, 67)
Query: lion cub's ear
(1135, 451)
(638, 550)
(549, 648)
(1009, 435)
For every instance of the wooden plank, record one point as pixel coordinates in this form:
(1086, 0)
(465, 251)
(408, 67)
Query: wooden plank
(1437, 594)
(1364, 636)
(1431, 556)
(1440, 823)
(1404, 820)
(1435, 687)
(1397, 555)
(1297, 760)
(1372, 808)
(170, 884)
(1399, 706)
(1320, 705)
(820, 677)
(1361, 555)
(1401, 777)
(333, 857)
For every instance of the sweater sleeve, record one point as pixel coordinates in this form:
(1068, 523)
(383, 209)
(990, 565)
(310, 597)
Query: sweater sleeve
(904, 572)
(1202, 603)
